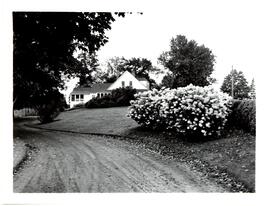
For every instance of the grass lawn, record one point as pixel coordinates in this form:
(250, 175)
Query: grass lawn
(233, 154)
(103, 120)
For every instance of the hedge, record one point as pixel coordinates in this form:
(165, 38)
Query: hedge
(243, 115)
(118, 97)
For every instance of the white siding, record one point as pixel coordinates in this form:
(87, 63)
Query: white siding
(86, 98)
(127, 77)
(145, 83)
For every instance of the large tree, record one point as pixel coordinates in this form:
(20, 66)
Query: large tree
(44, 43)
(115, 65)
(236, 84)
(188, 62)
(90, 65)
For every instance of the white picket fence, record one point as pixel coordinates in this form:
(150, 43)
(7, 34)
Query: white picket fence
(25, 112)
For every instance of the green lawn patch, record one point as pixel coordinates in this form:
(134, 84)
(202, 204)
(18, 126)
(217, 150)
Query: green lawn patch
(102, 120)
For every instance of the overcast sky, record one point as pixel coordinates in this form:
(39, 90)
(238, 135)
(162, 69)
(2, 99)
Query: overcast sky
(228, 29)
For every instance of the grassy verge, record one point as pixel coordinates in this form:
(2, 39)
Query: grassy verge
(229, 160)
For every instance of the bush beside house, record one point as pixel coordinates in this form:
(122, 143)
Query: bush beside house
(50, 107)
(118, 97)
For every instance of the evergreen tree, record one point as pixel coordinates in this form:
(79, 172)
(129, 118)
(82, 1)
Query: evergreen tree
(236, 82)
(252, 93)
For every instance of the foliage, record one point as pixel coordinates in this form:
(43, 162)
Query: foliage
(192, 111)
(252, 92)
(240, 85)
(116, 65)
(189, 62)
(80, 105)
(44, 43)
(110, 79)
(243, 115)
(118, 97)
(90, 64)
(50, 107)
(167, 81)
(101, 76)
(141, 67)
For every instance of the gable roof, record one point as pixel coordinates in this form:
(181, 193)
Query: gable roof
(127, 74)
(95, 88)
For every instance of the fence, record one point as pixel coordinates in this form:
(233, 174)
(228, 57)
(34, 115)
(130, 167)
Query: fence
(25, 112)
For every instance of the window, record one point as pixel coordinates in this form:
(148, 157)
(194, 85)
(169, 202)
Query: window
(73, 97)
(77, 97)
(130, 83)
(123, 83)
(82, 97)
(101, 95)
(98, 95)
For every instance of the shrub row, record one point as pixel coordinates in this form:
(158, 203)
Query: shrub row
(243, 115)
(192, 111)
(51, 106)
(118, 97)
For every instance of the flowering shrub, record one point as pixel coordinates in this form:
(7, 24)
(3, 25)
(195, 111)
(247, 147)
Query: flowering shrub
(145, 109)
(190, 110)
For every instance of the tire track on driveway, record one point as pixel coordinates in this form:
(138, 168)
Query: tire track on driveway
(69, 162)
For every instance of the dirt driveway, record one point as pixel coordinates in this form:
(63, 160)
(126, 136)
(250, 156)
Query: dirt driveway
(68, 162)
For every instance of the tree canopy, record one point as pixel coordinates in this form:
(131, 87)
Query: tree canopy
(238, 82)
(90, 65)
(188, 62)
(44, 43)
(167, 81)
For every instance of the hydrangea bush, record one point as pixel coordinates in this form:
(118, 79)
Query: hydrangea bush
(191, 110)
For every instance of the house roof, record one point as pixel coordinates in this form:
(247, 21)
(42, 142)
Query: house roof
(127, 75)
(101, 87)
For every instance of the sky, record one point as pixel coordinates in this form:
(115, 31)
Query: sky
(220, 27)
(231, 29)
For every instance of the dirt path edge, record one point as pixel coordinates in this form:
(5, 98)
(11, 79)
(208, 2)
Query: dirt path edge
(219, 175)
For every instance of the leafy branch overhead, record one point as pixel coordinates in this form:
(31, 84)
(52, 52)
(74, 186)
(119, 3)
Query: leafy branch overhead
(44, 43)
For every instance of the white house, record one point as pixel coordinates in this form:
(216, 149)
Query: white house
(81, 95)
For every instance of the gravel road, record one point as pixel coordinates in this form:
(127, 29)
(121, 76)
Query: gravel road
(68, 162)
